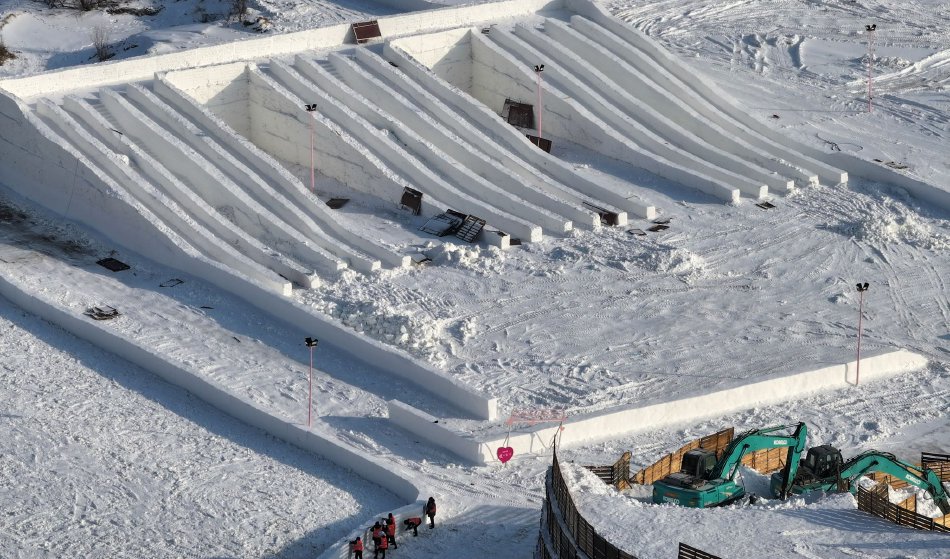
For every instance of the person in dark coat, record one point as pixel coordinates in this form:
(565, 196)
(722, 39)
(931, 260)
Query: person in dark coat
(357, 548)
(429, 510)
(413, 524)
(391, 531)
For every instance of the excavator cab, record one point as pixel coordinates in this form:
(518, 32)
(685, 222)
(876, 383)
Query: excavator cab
(823, 462)
(698, 463)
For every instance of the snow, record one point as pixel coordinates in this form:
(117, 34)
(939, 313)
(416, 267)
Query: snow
(101, 458)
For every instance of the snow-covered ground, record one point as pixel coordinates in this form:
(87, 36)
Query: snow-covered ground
(102, 459)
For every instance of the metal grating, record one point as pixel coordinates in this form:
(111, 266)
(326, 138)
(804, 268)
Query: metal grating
(366, 30)
(766, 205)
(518, 114)
(657, 228)
(113, 264)
(443, 224)
(542, 143)
(470, 228)
(411, 200)
(171, 283)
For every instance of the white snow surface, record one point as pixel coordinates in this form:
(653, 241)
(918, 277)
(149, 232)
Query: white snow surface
(102, 459)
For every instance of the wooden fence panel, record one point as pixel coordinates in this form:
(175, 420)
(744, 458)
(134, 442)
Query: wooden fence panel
(670, 463)
(767, 460)
(875, 501)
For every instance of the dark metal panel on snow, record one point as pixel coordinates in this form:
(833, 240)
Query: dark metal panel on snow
(411, 200)
(366, 30)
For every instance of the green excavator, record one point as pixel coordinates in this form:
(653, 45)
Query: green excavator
(704, 481)
(824, 470)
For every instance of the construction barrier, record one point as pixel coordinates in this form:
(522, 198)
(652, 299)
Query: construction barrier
(670, 463)
(617, 474)
(689, 552)
(568, 535)
(877, 502)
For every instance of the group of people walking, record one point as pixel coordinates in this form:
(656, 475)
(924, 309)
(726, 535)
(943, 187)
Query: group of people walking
(384, 534)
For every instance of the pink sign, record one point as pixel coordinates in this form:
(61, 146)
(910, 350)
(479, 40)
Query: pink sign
(505, 453)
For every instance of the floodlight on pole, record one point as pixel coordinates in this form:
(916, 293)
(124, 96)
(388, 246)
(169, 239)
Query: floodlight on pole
(311, 109)
(311, 343)
(862, 287)
(538, 68)
(870, 29)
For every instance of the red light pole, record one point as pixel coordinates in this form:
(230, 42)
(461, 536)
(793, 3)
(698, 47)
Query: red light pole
(862, 287)
(311, 109)
(538, 68)
(870, 29)
(311, 343)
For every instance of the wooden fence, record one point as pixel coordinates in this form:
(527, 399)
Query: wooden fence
(580, 536)
(689, 552)
(876, 502)
(617, 474)
(671, 462)
(939, 463)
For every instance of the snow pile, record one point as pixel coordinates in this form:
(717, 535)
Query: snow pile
(897, 227)
(667, 259)
(385, 323)
(471, 258)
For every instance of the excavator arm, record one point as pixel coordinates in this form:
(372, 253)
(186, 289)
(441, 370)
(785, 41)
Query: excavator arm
(884, 462)
(759, 439)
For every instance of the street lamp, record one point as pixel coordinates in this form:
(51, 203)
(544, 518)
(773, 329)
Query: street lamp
(870, 29)
(311, 343)
(862, 287)
(538, 68)
(311, 109)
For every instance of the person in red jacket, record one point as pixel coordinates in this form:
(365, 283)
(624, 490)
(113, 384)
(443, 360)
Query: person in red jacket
(391, 531)
(383, 544)
(357, 548)
(377, 535)
(429, 510)
(413, 524)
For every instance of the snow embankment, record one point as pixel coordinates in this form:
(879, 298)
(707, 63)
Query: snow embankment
(586, 429)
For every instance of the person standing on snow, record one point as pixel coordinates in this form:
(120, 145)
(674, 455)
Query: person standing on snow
(429, 510)
(381, 547)
(357, 548)
(377, 535)
(391, 531)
